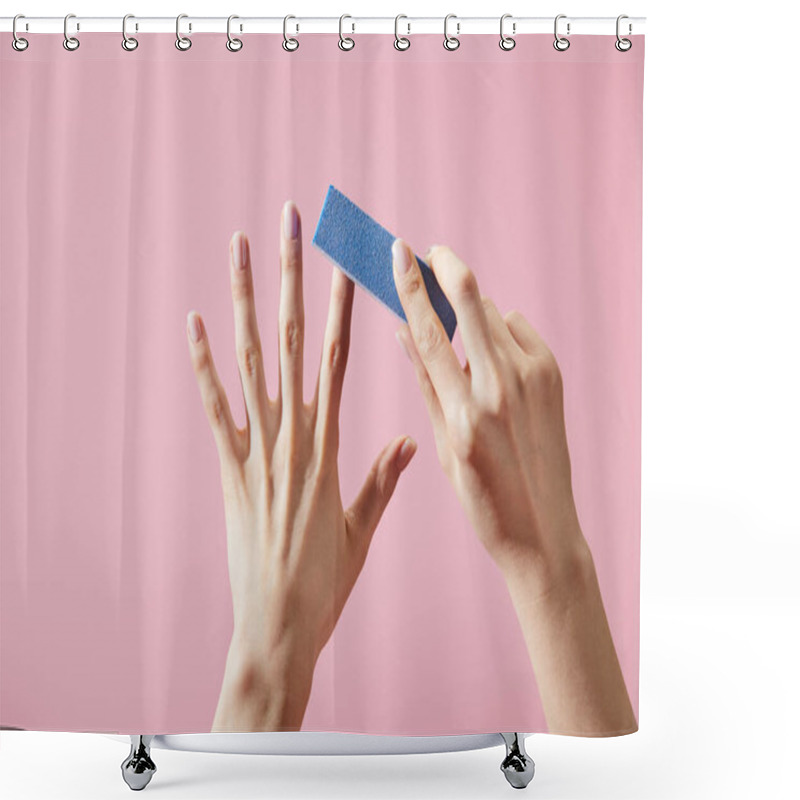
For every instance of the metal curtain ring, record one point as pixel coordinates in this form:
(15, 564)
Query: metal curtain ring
(182, 42)
(623, 45)
(128, 42)
(561, 43)
(290, 44)
(345, 42)
(451, 42)
(401, 42)
(233, 44)
(507, 42)
(17, 42)
(70, 42)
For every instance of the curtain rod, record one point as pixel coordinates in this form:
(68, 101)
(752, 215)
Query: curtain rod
(407, 25)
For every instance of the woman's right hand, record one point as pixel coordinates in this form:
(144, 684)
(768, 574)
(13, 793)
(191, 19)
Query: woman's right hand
(498, 422)
(500, 435)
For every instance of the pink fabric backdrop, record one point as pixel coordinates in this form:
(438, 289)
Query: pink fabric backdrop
(123, 177)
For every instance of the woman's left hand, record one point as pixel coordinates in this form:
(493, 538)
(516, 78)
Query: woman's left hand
(294, 552)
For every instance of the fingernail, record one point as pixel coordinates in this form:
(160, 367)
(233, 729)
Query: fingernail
(401, 255)
(398, 334)
(239, 252)
(407, 450)
(290, 221)
(195, 326)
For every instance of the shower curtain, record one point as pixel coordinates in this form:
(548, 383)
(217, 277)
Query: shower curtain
(241, 492)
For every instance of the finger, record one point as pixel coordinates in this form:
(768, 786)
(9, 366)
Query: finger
(335, 348)
(215, 401)
(435, 413)
(500, 332)
(290, 316)
(248, 342)
(524, 333)
(430, 338)
(368, 507)
(459, 284)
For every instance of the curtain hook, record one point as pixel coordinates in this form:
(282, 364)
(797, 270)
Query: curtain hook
(70, 42)
(17, 42)
(233, 44)
(182, 42)
(507, 42)
(289, 42)
(129, 43)
(401, 42)
(561, 43)
(451, 42)
(345, 42)
(623, 45)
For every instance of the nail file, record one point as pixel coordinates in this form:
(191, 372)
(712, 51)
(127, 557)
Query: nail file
(362, 249)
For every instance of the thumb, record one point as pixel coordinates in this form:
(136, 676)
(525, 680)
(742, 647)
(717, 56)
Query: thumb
(367, 509)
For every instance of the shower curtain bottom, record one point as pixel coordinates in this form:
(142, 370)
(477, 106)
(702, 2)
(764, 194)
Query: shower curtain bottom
(320, 743)
(138, 768)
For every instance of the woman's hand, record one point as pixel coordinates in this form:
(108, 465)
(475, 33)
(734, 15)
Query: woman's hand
(500, 436)
(294, 552)
(498, 422)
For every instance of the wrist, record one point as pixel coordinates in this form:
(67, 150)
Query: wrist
(562, 572)
(265, 688)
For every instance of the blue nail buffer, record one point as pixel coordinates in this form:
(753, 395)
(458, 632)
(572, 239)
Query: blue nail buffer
(362, 249)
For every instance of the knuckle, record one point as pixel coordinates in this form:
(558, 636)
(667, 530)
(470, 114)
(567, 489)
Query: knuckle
(544, 374)
(495, 403)
(202, 359)
(429, 339)
(464, 433)
(382, 480)
(215, 408)
(293, 335)
(464, 283)
(335, 354)
(242, 288)
(249, 357)
(291, 261)
(413, 283)
(494, 400)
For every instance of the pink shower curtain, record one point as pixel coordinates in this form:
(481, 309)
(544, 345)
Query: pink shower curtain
(124, 175)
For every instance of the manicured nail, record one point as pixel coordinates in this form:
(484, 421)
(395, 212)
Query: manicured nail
(290, 221)
(240, 252)
(401, 255)
(406, 451)
(195, 326)
(398, 334)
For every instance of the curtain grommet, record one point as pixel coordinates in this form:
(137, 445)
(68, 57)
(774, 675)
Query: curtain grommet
(451, 42)
(129, 43)
(233, 44)
(346, 42)
(289, 44)
(561, 43)
(18, 42)
(70, 42)
(507, 42)
(183, 43)
(401, 42)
